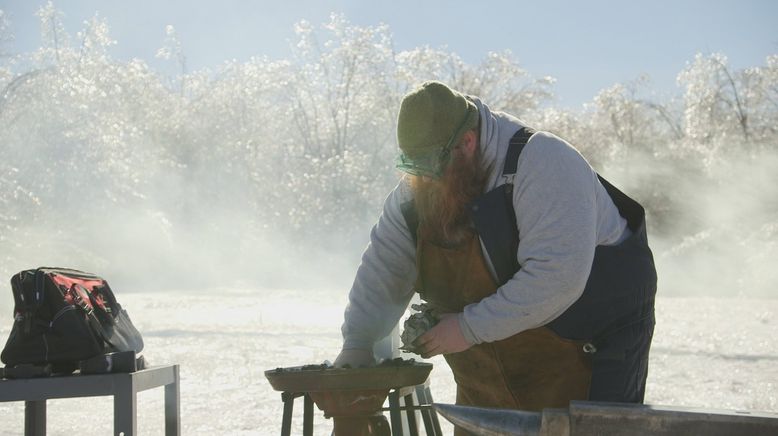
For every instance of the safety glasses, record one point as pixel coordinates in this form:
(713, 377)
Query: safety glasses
(434, 163)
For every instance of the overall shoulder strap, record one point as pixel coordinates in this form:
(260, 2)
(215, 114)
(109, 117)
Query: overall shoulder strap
(495, 218)
(515, 146)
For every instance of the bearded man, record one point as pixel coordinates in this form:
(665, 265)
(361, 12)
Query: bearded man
(541, 269)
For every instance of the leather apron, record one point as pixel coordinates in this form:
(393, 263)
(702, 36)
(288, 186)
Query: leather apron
(531, 370)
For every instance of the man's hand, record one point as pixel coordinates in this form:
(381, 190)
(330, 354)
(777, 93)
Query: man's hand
(445, 338)
(354, 358)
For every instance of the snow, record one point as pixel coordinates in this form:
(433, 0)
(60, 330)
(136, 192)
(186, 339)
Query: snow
(708, 352)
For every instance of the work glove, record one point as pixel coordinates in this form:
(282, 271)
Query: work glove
(355, 358)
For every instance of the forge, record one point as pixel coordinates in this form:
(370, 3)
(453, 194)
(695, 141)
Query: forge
(354, 397)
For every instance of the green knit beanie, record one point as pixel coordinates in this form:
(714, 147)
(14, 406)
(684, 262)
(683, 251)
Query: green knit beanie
(432, 119)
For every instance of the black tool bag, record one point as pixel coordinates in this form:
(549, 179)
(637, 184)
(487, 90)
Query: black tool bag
(63, 317)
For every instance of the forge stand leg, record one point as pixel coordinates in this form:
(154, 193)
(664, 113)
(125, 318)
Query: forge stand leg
(428, 415)
(394, 413)
(286, 424)
(410, 414)
(308, 416)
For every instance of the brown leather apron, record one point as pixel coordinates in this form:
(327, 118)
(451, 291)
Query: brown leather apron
(531, 370)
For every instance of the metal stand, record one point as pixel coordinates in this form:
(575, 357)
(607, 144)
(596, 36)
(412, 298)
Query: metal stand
(123, 386)
(403, 405)
(288, 399)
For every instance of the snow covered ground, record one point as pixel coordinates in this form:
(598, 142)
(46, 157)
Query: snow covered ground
(708, 352)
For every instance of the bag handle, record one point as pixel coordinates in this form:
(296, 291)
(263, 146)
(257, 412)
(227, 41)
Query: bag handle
(89, 311)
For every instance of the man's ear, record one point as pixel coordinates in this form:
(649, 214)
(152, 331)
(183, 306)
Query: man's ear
(469, 142)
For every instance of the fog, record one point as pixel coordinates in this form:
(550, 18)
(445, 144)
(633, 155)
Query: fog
(266, 174)
(731, 221)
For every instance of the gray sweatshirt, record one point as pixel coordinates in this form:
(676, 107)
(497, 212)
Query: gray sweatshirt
(563, 213)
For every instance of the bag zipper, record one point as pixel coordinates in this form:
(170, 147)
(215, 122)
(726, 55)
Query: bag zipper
(71, 273)
(46, 351)
(61, 312)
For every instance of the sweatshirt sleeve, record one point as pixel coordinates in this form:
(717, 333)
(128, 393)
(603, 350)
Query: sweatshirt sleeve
(383, 284)
(555, 201)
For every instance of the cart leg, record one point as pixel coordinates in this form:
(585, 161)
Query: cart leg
(125, 408)
(35, 418)
(173, 407)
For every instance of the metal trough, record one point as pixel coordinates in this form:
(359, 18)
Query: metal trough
(585, 418)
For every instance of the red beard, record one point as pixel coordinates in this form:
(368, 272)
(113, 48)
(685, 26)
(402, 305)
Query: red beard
(442, 204)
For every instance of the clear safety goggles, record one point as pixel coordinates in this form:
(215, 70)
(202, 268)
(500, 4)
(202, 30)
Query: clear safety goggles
(432, 164)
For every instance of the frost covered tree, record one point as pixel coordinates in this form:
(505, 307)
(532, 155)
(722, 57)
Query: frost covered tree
(629, 121)
(95, 39)
(74, 132)
(337, 101)
(341, 96)
(5, 34)
(53, 34)
(499, 79)
(202, 168)
(725, 107)
(764, 102)
(173, 49)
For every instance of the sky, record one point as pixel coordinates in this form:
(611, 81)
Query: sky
(586, 45)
